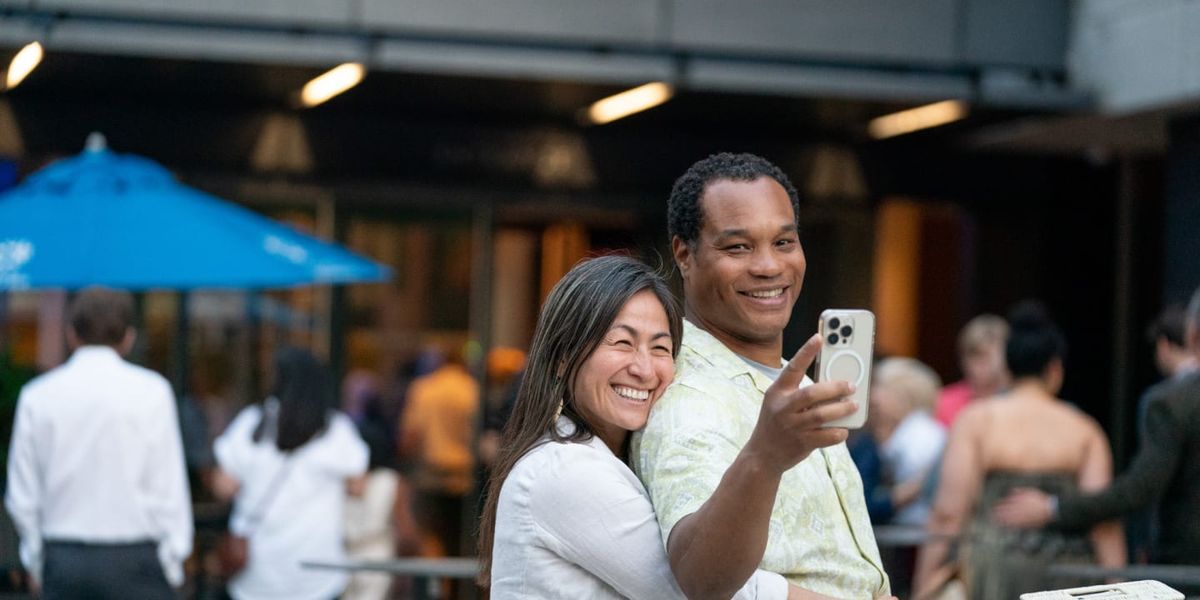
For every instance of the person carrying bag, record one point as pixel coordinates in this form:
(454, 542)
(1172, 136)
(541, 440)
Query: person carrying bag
(233, 550)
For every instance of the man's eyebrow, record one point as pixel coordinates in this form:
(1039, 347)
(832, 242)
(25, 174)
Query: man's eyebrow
(728, 233)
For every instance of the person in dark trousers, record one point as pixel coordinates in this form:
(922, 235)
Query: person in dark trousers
(1166, 470)
(96, 480)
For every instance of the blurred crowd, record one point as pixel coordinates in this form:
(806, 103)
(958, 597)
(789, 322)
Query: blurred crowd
(1007, 478)
(260, 486)
(118, 490)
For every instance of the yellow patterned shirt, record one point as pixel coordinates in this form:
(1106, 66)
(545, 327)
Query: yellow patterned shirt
(820, 537)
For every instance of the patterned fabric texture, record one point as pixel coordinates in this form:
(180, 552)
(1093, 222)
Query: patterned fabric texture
(820, 536)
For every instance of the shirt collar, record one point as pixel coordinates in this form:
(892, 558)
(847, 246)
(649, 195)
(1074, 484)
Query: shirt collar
(724, 361)
(95, 353)
(566, 427)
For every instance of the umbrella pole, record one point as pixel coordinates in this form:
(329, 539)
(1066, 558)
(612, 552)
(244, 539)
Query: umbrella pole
(139, 352)
(179, 350)
(254, 343)
(4, 328)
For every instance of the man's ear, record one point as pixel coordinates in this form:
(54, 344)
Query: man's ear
(127, 342)
(682, 252)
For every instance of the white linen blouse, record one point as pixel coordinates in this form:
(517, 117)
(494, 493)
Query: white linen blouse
(573, 521)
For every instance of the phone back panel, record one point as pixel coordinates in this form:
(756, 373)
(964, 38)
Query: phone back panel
(848, 344)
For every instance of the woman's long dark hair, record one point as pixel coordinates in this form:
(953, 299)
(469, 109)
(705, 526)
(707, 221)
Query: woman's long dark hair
(574, 319)
(302, 386)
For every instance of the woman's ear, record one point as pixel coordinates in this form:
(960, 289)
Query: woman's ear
(1053, 375)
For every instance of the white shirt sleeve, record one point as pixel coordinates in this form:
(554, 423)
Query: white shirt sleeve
(592, 516)
(234, 446)
(166, 482)
(595, 515)
(23, 497)
(764, 585)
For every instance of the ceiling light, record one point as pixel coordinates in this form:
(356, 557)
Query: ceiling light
(331, 83)
(628, 102)
(913, 119)
(23, 64)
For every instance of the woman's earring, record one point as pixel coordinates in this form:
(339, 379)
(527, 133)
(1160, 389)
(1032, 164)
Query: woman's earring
(558, 411)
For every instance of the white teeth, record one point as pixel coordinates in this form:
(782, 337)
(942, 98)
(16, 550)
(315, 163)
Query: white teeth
(766, 293)
(631, 393)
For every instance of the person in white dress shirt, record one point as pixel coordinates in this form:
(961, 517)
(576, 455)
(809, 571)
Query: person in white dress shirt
(286, 463)
(96, 480)
(565, 517)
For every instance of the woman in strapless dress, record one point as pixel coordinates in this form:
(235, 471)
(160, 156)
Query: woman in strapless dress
(1024, 437)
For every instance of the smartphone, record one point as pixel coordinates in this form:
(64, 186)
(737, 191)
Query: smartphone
(847, 346)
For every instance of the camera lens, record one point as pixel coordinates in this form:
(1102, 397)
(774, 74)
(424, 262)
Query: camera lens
(833, 338)
(834, 323)
(846, 331)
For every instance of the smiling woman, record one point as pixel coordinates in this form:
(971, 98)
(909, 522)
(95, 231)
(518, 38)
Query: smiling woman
(565, 516)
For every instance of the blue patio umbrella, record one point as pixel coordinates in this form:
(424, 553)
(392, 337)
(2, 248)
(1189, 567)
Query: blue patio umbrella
(123, 221)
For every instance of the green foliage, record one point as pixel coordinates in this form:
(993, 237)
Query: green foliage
(12, 378)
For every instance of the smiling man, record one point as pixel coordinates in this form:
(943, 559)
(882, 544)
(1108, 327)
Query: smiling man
(739, 468)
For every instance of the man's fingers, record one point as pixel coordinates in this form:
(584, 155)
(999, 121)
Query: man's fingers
(824, 413)
(1020, 508)
(824, 438)
(793, 373)
(815, 415)
(817, 394)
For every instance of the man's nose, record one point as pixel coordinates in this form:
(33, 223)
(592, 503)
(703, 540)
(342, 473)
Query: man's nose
(764, 263)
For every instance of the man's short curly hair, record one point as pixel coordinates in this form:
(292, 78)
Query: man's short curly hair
(684, 213)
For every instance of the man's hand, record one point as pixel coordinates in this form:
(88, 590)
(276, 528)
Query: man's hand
(1024, 508)
(789, 423)
(223, 485)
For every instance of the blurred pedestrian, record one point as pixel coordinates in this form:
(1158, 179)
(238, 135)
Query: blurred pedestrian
(903, 392)
(437, 436)
(362, 400)
(1172, 357)
(1166, 470)
(506, 369)
(286, 463)
(96, 479)
(495, 419)
(1024, 437)
(379, 523)
(981, 358)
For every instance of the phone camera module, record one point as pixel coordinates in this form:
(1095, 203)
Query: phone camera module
(846, 331)
(835, 323)
(833, 338)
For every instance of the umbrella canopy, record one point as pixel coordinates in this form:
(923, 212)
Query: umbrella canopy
(123, 221)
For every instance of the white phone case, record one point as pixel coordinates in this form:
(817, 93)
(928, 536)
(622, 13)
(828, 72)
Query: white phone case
(848, 344)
